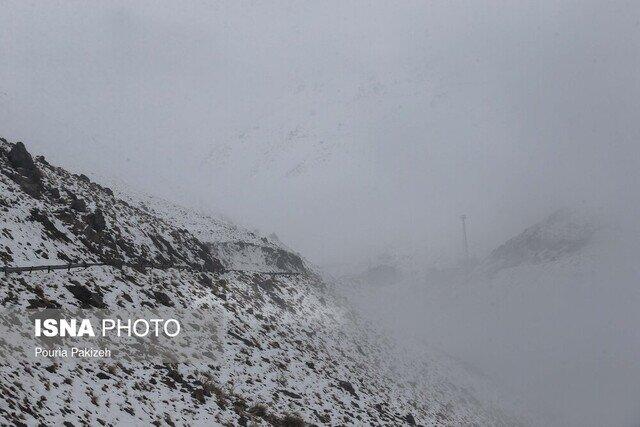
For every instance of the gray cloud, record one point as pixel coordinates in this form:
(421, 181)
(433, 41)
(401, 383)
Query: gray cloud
(437, 109)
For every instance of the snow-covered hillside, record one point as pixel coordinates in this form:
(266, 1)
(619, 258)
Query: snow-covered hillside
(235, 246)
(561, 234)
(550, 314)
(294, 353)
(559, 302)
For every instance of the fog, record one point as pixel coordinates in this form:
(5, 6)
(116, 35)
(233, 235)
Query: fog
(347, 128)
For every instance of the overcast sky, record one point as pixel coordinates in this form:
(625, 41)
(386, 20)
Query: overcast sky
(341, 126)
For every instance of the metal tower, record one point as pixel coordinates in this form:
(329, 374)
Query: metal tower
(463, 218)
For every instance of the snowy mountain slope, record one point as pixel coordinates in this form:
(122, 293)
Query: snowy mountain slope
(561, 234)
(236, 247)
(51, 216)
(206, 227)
(560, 302)
(293, 352)
(550, 314)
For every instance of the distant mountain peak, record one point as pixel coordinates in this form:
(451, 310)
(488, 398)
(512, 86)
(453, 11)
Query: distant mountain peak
(561, 234)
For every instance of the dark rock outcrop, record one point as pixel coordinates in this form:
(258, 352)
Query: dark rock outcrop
(19, 157)
(212, 265)
(410, 420)
(26, 174)
(54, 193)
(85, 297)
(96, 220)
(78, 205)
(163, 298)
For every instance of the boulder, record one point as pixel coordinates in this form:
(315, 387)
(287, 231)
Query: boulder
(78, 205)
(54, 193)
(28, 175)
(86, 297)
(19, 157)
(96, 220)
(410, 420)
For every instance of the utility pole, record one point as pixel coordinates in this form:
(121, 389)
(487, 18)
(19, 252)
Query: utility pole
(463, 218)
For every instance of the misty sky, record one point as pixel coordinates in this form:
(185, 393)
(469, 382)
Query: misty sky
(341, 126)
